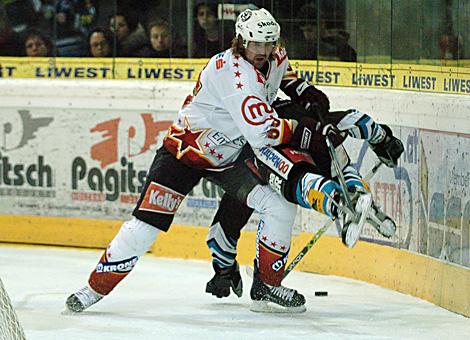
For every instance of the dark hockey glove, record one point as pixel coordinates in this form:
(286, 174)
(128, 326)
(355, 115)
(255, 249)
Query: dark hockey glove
(389, 149)
(311, 96)
(288, 109)
(223, 280)
(306, 95)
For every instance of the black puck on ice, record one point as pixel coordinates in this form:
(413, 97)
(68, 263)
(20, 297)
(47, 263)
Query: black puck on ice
(321, 293)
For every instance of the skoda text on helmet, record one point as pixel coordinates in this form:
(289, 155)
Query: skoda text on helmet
(257, 25)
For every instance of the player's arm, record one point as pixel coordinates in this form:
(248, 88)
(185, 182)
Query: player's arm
(257, 120)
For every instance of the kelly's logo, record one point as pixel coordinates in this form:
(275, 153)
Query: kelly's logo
(160, 199)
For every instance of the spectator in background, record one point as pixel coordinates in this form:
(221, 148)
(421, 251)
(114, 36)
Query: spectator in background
(317, 42)
(10, 43)
(47, 12)
(210, 36)
(161, 43)
(37, 45)
(100, 42)
(130, 34)
(86, 15)
(65, 17)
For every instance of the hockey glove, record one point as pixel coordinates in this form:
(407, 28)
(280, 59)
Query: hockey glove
(223, 280)
(306, 95)
(389, 149)
(310, 95)
(288, 109)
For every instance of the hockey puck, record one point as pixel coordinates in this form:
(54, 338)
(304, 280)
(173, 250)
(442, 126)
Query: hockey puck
(321, 293)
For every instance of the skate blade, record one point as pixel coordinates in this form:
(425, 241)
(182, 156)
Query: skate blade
(354, 230)
(249, 271)
(270, 307)
(67, 311)
(386, 228)
(389, 228)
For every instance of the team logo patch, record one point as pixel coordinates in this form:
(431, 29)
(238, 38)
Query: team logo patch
(280, 263)
(275, 160)
(306, 137)
(123, 266)
(245, 15)
(160, 199)
(255, 111)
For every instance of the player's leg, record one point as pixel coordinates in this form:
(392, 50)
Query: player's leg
(132, 241)
(232, 215)
(167, 178)
(377, 218)
(358, 125)
(299, 179)
(273, 241)
(272, 250)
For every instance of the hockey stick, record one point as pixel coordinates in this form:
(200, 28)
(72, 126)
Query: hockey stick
(323, 229)
(334, 159)
(352, 229)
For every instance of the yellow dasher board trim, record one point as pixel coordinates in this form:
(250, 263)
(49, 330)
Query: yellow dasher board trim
(408, 77)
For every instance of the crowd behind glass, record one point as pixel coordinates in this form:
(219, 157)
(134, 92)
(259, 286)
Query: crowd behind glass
(429, 32)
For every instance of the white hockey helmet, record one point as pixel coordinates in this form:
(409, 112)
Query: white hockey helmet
(257, 25)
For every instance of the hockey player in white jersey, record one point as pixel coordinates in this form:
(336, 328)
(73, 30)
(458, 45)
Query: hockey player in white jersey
(230, 107)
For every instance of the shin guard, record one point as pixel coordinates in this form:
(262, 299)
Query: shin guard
(316, 192)
(271, 260)
(132, 241)
(274, 232)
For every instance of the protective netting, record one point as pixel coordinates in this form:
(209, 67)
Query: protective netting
(10, 328)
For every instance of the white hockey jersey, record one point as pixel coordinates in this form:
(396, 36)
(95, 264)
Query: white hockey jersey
(229, 107)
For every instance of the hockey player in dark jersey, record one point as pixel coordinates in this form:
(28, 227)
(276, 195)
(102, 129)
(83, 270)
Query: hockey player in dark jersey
(307, 184)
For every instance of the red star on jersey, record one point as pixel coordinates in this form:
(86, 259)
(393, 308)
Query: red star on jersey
(212, 152)
(237, 57)
(206, 145)
(273, 244)
(236, 65)
(264, 238)
(237, 74)
(239, 85)
(187, 140)
(283, 247)
(219, 156)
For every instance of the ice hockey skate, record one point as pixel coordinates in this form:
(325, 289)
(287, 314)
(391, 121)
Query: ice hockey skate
(353, 221)
(81, 300)
(224, 279)
(381, 222)
(270, 299)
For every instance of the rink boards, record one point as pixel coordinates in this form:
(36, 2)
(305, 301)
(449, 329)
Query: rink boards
(74, 154)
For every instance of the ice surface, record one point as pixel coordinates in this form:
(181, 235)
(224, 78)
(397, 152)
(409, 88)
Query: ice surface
(165, 299)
